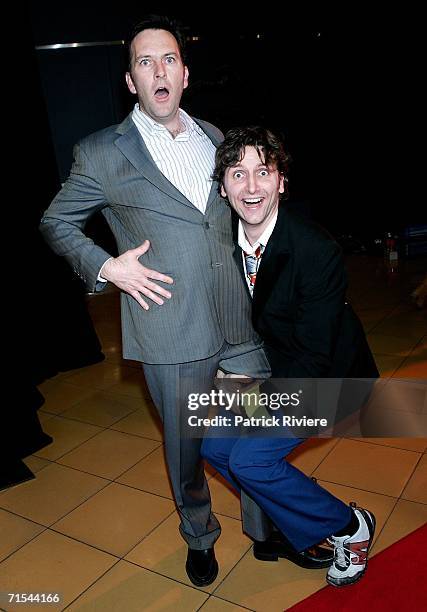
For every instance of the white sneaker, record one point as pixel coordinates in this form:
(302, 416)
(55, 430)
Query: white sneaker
(351, 552)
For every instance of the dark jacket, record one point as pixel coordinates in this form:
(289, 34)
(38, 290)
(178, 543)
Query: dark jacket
(299, 305)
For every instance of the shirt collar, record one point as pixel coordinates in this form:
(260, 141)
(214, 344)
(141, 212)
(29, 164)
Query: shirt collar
(151, 128)
(243, 242)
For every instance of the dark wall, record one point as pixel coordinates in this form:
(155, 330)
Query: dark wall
(324, 80)
(83, 92)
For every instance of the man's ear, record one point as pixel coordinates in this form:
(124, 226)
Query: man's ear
(186, 74)
(224, 195)
(282, 184)
(129, 83)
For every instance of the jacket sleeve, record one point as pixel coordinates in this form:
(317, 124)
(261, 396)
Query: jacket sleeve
(63, 223)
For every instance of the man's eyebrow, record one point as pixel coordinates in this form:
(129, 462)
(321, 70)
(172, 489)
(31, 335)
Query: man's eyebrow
(148, 55)
(241, 166)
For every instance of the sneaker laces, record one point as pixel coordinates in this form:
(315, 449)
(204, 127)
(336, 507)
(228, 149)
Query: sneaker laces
(342, 554)
(342, 557)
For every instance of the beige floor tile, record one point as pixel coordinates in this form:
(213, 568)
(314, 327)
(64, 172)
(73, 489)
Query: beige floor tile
(109, 326)
(269, 587)
(380, 505)
(371, 318)
(100, 376)
(66, 434)
(134, 385)
(370, 467)
(420, 350)
(418, 445)
(402, 326)
(164, 551)
(48, 385)
(102, 408)
(129, 588)
(60, 396)
(44, 416)
(143, 422)
(97, 376)
(391, 345)
(109, 454)
(56, 491)
(215, 604)
(408, 312)
(111, 345)
(62, 375)
(405, 518)
(112, 349)
(412, 367)
(116, 518)
(131, 363)
(149, 475)
(397, 410)
(225, 500)
(15, 531)
(378, 298)
(52, 563)
(416, 489)
(36, 463)
(311, 453)
(113, 353)
(387, 364)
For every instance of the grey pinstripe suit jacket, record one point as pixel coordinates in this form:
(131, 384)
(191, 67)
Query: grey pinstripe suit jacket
(114, 173)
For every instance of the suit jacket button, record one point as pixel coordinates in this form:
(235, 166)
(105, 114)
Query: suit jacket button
(207, 226)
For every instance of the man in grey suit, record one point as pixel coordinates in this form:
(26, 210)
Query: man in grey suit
(150, 177)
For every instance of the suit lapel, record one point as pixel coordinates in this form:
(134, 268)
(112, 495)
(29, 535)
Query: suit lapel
(135, 150)
(273, 261)
(212, 135)
(237, 253)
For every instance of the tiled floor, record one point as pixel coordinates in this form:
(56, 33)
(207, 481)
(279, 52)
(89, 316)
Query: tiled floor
(98, 524)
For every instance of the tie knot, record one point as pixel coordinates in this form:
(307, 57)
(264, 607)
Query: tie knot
(252, 263)
(256, 254)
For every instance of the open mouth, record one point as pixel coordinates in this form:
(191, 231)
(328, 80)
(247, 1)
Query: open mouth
(252, 202)
(161, 93)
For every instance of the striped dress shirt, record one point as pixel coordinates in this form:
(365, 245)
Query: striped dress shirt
(187, 160)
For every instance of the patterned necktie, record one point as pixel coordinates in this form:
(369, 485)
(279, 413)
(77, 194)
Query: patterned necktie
(252, 265)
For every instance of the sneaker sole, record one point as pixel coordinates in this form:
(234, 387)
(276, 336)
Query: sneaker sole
(371, 522)
(347, 581)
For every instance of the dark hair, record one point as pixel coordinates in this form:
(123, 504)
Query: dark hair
(269, 147)
(158, 22)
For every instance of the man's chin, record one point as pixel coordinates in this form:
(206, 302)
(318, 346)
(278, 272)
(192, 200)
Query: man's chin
(251, 220)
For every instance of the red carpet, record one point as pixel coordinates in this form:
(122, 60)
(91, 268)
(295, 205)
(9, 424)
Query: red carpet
(396, 580)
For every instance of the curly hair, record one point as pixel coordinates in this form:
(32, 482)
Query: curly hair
(268, 146)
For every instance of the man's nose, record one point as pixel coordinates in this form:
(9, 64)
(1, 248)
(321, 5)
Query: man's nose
(159, 70)
(252, 183)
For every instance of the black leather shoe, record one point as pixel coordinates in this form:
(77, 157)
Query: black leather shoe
(277, 546)
(201, 566)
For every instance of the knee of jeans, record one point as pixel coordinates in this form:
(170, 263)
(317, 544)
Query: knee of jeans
(239, 465)
(248, 466)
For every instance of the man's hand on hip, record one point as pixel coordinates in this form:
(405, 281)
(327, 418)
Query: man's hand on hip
(129, 275)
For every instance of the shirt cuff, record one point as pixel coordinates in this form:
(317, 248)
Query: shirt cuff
(100, 277)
